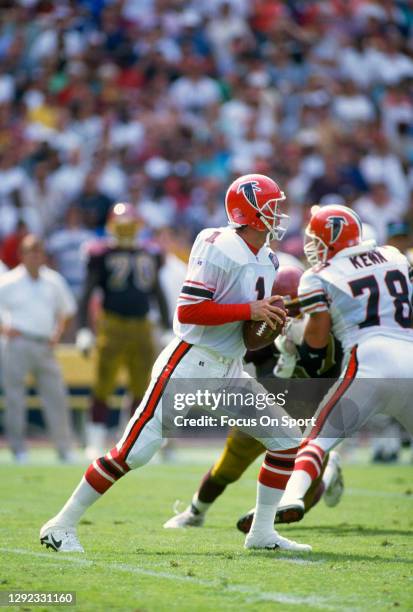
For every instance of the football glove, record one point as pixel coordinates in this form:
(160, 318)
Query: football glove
(85, 341)
(286, 344)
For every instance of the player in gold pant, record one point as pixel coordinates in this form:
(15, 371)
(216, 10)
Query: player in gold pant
(117, 340)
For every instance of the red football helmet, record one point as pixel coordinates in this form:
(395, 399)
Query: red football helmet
(286, 285)
(123, 223)
(253, 200)
(331, 229)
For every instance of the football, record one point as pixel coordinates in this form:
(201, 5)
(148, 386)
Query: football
(258, 334)
(286, 285)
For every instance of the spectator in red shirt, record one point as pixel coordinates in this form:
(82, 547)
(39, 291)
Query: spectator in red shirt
(10, 248)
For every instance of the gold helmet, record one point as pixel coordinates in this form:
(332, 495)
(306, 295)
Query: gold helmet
(123, 223)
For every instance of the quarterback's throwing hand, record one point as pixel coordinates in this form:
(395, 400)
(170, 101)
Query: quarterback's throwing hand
(265, 310)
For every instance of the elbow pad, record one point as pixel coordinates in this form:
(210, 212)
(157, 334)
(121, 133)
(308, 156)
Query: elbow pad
(312, 359)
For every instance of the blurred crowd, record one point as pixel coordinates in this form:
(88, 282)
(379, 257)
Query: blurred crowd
(162, 102)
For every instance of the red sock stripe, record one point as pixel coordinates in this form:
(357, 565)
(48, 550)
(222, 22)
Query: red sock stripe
(100, 483)
(308, 453)
(153, 400)
(349, 376)
(307, 466)
(281, 464)
(109, 468)
(309, 444)
(273, 479)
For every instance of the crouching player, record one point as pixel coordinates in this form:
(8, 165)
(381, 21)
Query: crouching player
(230, 276)
(362, 293)
(241, 450)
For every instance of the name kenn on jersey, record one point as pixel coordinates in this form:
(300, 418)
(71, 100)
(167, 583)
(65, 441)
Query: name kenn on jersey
(365, 260)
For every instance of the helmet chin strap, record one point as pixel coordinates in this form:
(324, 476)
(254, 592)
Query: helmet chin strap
(272, 231)
(269, 237)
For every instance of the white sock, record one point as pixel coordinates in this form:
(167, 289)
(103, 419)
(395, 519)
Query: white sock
(202, 507)
(297, 486)
(82, 497)
(329, 472)
(265, 509)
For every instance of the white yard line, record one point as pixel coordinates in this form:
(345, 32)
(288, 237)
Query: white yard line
(253, 593)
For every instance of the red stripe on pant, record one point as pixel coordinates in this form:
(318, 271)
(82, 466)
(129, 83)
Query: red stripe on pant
(276, 477)
(153, 400)
(348, 378)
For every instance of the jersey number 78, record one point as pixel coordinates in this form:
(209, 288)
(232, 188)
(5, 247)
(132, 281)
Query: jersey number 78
(397, 286)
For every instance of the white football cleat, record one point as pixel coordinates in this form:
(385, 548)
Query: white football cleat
(187, 518)
(60, 538)
(335, 487)
(273, 541)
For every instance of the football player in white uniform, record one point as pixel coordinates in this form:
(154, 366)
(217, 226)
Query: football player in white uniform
(363, 293)
(229, 280)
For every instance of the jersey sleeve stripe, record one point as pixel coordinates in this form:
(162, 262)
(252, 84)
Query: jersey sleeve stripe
(185, 298)
(308, 293)
(314, 299)
(197, 291)
(321, 307)
(191, 282)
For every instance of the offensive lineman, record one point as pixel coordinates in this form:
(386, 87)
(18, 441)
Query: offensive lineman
(230, 275)
(128, 275)
(364, 294)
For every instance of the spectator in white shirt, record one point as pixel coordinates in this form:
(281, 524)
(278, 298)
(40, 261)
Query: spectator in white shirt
(352, 106)
(379, 208)
(35, 307)
(382, 164)
(222, 30)
(194, 91)
(65, 246)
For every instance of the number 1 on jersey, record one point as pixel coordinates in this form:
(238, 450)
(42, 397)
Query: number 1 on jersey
(260, 288)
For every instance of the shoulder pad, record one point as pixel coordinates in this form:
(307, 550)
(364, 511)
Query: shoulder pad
(96, 248)
(391, 250)
(222, 245)
(150, 246)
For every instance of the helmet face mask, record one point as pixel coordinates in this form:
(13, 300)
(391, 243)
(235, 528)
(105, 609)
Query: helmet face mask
(315, 250)
(275, 222)
(253, 200)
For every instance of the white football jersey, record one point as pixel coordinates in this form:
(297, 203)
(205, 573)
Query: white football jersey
(367, 290)
(223, 268)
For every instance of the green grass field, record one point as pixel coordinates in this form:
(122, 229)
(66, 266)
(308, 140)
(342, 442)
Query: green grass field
(362, 557)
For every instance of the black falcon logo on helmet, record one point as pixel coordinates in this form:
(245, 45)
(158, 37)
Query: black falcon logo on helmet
(249, 190)
(336, 225)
